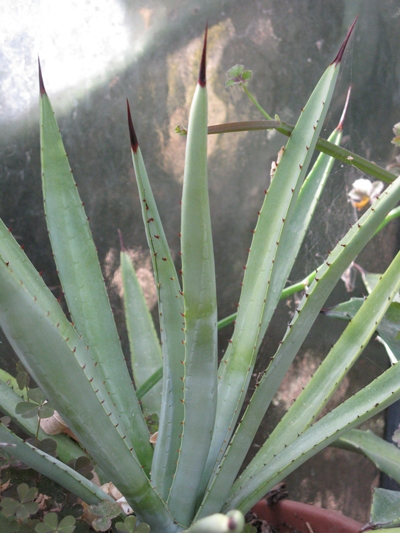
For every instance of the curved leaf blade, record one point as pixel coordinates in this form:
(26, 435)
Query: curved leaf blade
(53, 468)
(385, 455)
(326, 278)
(57, 359)
(200, 312)
(266, 272)
(332, 370)
(372, 399)
(170, 307)
(80, 275)
(145, 348)
(67, 449)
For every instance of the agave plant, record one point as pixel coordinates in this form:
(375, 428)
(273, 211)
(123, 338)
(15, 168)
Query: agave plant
(188, 480)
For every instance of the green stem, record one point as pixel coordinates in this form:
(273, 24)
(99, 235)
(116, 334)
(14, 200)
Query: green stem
(252, 98)
(339, 153)
(247, 125)
(331, 149)
(301, 285)
(286, 293)
(289, 291)
(149, 383)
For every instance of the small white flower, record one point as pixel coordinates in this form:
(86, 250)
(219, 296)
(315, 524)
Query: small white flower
(364, 191)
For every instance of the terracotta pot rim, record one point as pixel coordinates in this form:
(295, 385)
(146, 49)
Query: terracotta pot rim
(305, 517)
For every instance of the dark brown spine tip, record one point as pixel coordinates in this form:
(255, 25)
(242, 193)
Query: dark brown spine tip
(121, 242)
(41, 84)
(202, 73)
(339, 56)
(341, 121)
(132, 134)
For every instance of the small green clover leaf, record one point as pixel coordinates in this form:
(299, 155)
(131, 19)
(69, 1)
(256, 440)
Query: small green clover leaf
(83, 465)
(26, 409)
(5, 420)
(47, 445)
(104, 512)
(83, 527)
(50, 524)
(35, 407)
(237, 75)
(28, 526)
(23, 379)
(36, 395)
(23, 508)
(73, 509)
(8, 524)
(129, 526)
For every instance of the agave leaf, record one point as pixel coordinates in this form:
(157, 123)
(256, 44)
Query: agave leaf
(149, 383)
(67, 449)
(18, 272)
(12, 383)
(326, 278)
(385, 514)
(58, 361)
(306, 203)
(313, 186)
(385, 455)
(267, 269)
(53, 468)
(388, 329)
(369, 401)
(145, 348)
(394, 213)
(370, 280)
(335, 366)
(80, 275)
(332, 370)
(301, 285)
(199, 292)
(170, 306)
